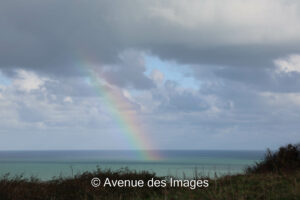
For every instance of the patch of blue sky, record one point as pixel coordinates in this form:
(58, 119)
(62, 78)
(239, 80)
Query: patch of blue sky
(4, 80)
(182, 74)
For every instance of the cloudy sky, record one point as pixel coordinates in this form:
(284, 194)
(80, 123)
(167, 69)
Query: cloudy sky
(197, 74)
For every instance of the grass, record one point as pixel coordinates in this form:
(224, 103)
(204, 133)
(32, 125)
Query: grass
(277, 177)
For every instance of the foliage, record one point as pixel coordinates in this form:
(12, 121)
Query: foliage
(286, 159)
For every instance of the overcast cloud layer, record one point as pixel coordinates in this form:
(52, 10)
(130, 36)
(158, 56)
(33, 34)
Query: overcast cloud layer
(242, 57)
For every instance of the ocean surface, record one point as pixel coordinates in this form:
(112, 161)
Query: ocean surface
(181, 164)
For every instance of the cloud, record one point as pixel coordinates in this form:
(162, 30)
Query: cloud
(129, 72)
(289, 64)
(53, 35)
(68, 100)
(291, 100)
(224, 73)
(221, 110)
(56, 104)
(28, 81)
(281, 77)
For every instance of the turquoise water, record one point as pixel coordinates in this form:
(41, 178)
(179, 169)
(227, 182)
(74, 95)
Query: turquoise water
(48, 164)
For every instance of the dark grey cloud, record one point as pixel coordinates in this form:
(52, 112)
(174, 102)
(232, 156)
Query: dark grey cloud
(129, 71)
(262, 79)
(53, 33)
(251, 56)
(52, 36)
(175, 100)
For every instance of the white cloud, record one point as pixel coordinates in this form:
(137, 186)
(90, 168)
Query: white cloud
(27, 81)
(288, 64)
(68, 99)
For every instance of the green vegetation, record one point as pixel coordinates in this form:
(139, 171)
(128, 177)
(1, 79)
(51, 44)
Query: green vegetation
(277, 177)
(287, 159)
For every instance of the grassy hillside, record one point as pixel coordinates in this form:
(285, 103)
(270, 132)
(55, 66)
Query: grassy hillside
(275, 178)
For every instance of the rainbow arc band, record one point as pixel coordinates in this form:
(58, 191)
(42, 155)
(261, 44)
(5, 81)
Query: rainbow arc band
(127, 120)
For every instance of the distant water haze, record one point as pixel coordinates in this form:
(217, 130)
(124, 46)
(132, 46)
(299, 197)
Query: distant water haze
(179, 163)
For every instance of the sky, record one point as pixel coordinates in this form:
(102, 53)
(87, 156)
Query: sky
(194, 74)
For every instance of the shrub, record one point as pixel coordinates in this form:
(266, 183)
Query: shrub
(286, 159)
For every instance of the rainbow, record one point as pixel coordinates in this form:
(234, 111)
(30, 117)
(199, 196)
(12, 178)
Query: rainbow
(125, 118)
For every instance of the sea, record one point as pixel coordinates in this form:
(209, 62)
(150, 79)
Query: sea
(47, 165)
